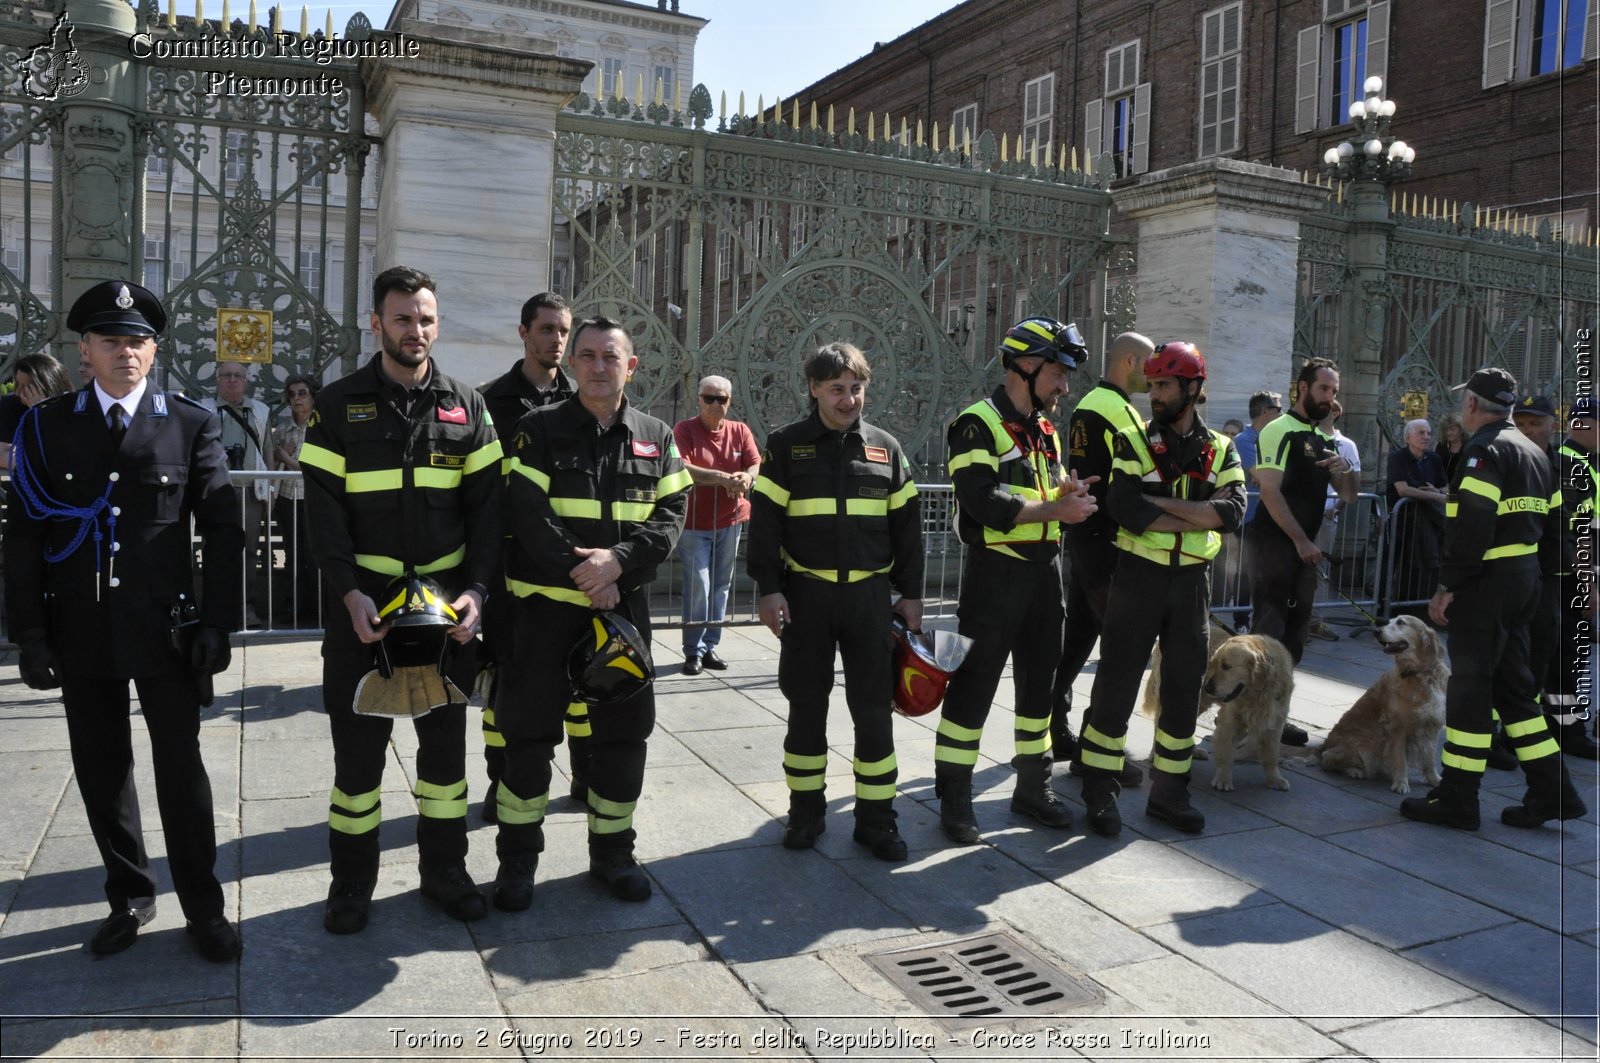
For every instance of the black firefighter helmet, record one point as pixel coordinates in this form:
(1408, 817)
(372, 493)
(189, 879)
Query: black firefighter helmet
(610, 662)
(416, 620)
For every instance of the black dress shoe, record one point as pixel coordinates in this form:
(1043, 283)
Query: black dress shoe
(216, 938)
(713, 662)
(691, 666)
(119, 930)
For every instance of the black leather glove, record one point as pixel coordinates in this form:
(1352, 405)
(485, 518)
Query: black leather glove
(38, 664)
(210, 652)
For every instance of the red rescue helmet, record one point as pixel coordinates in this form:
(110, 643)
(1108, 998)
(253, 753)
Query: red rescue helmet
(918, 682)
(1179, 359)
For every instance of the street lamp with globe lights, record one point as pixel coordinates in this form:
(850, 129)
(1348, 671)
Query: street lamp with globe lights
(1371, 154)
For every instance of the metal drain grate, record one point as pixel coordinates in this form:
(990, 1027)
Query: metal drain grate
(984, 977)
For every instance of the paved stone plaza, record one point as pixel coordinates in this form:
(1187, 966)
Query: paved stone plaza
(1312, 924)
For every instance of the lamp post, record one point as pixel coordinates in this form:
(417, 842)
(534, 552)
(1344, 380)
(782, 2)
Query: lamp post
(1367, 162)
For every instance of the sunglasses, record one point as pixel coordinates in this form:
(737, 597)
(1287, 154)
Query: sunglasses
(715, 400)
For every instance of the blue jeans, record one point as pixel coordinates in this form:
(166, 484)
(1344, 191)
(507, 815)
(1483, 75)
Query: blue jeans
(707, 575)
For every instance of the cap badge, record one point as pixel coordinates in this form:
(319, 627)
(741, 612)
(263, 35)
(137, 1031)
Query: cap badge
(124, 299)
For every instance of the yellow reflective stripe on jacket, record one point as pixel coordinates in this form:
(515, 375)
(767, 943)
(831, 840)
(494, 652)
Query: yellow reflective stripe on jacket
(391, 566)
(439, 479)
(973, 457)
(811, 507)
(560, 594)
(855, 575)
(854, 507)
(1479, 487)
(994, 538)
(634, 511)
(1510, 550)
(376, 480)
(765, 487)
(539, 479)
(322, 458)
(903, 496)
(484, 457)
(673, 483)
(578, 508)
(1172, 548)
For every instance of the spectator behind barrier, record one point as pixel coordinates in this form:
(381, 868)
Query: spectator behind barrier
(297, 593)
(1415, 475)
(1451, 442)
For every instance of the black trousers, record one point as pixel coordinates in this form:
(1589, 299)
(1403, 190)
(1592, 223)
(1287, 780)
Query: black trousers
(1091, 559)
(1282, 589)
(1149, 602)
(854, 618)
(1009, 608)
(101, 735)
(1491, 618)
(533, 702)
(361, 751)
(499, 623)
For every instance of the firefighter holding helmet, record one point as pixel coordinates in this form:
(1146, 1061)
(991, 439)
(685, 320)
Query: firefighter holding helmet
(1012, 497)
(835, 526)
(1176, 489)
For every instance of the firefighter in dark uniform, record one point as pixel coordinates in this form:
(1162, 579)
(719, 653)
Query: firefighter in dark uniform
(835, 525)
(534, 381)
(1012, 497)
(100, 589)
(1097, 420)
(402, 472)
(595, 501)
(1176, 488)
(1496, 513)
(1580, 488)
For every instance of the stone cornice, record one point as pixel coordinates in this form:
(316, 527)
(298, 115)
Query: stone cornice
(656, 22)
(468, 63)
(1227, 183)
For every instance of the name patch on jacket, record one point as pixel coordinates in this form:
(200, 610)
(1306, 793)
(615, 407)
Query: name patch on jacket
(805, 453)
(640, 494)
(454, 415)
(874, 492)
(363, 412)
(643, 448)
(877, 455)
(447, 461)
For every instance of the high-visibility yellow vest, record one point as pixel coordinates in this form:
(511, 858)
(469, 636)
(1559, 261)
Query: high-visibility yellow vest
(1030, 477)
(1175, 548)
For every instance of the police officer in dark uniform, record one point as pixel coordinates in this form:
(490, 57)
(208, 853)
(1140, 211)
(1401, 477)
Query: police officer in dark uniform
(1176, 488)
(1097, 420)
(835, 525)
(534, 381)
(1580, 487)
(100, 590)
(1497, 512)
(595, 500)
(402, 472)
(1013, 496)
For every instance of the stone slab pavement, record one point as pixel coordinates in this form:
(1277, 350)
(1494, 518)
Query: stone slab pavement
(1306, 925)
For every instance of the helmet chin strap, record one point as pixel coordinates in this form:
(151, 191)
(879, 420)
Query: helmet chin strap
(1031, 378)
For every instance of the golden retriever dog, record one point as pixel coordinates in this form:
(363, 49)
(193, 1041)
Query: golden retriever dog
(1251, 677)
(1398, 723)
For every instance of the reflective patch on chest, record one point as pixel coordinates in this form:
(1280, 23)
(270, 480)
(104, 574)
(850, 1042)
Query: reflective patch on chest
(367, 411)
(447, 461)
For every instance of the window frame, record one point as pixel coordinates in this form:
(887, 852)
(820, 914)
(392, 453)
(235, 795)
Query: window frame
(1217, 61)
(1043, 91)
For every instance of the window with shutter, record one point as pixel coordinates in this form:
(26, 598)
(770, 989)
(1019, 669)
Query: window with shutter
(1219, 80)
(1121, 109)
(1528, 38)
(1038, 112)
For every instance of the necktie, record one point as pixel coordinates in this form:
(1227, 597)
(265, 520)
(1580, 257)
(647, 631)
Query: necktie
(119, 424)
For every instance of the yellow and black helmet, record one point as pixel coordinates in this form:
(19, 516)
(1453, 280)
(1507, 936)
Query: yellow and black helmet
(610, 662)
(1044, 337)
(416, 619)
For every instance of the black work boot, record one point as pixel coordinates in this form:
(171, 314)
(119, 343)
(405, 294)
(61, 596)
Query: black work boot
(452, 889)
(1033, 796)
(807, 820)
(621, 873)
(1100, 790)
(349, 901)
(1550, 795)
(1453, 803)
(876, 830)
(1169, 802)
(952, 784)
(1574, 740)
(513, 884)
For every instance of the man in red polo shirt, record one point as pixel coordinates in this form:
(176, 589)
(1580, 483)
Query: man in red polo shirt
(723, 460)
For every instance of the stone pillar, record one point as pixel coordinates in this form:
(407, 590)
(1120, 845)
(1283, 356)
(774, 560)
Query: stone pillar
(1217, 265)
(468, 146)
(97, 183)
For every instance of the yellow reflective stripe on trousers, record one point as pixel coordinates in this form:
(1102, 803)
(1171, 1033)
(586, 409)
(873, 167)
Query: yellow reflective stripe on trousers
(560, 594)
(390, 566)
(1525, 727)
(1469, 739)
(355, 813)
(435, 801)
(1031, 735)
(1460, 763)
(519, 811)
(609, 817)
(539, 479)
(322, 458)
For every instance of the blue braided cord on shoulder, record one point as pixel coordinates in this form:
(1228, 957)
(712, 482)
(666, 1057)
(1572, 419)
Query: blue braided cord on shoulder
(38, 504)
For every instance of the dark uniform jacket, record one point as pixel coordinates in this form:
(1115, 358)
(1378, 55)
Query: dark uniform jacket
(573, 484)
(994, 478)
(1293, 446)
(1099, 418)
(835, 506)
(169, 468)
(1499, 504)
(389, 491)
(510, 397)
